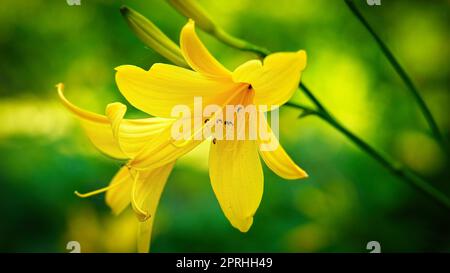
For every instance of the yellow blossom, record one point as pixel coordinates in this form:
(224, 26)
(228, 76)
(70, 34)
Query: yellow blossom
(150, 150)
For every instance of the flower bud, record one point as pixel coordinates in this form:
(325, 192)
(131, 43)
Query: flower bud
(152, 36)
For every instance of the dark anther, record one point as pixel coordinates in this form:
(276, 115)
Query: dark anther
(214, 141)
(206, 120)
(249, 87)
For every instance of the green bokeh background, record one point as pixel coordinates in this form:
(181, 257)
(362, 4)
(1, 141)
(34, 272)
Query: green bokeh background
(348, 200)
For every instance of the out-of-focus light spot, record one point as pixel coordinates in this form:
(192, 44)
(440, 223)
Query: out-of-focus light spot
(334, 199)
(312, 209)
(97, 233)
(424, 42)
(286, 11)
(420, 152)
(33, 118)
(308, 238)
(342, 84)
(327, 207)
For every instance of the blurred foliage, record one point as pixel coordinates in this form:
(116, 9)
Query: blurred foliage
(348, 200)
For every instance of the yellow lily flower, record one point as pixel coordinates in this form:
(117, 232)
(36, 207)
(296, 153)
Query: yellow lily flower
(235, 168)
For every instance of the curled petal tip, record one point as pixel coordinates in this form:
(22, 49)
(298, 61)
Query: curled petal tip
(114, 105)
(60, 88)
(303, 56)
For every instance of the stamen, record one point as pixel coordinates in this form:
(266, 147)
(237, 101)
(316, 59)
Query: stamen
(228, 122)
(92, 193)
(214, 140)
(200, 130)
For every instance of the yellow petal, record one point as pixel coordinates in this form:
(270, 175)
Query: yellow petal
(164, 148)
(150, 185)
(248, 71)
(118, 197)
(277, 159)
(197, 56)
(164, 86)
(131, 134)
(115, 113)
(97, 127)
(149, 192)
(237, 180)
(161, 151)
(276, 79)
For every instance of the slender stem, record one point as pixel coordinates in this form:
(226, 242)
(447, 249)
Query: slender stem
(302, 107)
(228, 39)
(313, 98)
(394, 167)
(401, 72)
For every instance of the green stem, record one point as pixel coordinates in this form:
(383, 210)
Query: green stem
(394, 167)
(313, 98)
(238, 43)
(402, 73)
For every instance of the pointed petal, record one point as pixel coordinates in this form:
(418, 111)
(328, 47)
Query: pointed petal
(118, 197)
(131, 134)
(163, 87)
(149, 193)
(198, 56)
(237, 180)
(277, 159)
(276, 79)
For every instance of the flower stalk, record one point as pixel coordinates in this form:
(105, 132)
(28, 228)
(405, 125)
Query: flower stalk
(190, 9)
(395, 168)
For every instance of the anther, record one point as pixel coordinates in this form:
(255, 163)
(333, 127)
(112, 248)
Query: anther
(228, 122)
(214, 140)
